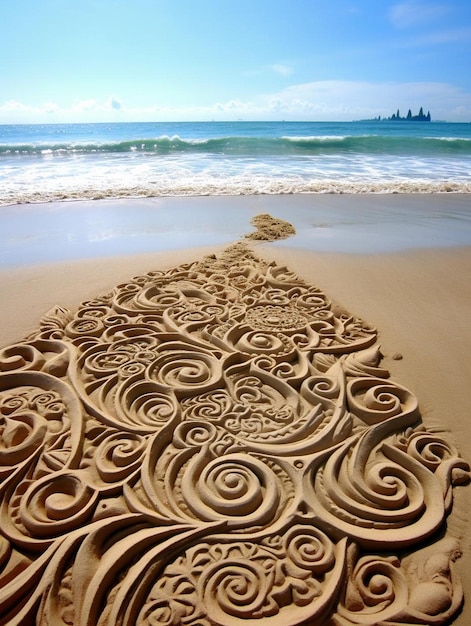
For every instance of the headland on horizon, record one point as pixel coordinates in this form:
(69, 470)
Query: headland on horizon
(396, 117)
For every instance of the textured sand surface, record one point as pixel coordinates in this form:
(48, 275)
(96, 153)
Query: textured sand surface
(218, 440)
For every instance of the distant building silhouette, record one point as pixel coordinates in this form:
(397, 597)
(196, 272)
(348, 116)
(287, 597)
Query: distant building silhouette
(421, 117)
(396, 117)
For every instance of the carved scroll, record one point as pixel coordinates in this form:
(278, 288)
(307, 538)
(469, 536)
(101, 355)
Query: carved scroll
(212, 445)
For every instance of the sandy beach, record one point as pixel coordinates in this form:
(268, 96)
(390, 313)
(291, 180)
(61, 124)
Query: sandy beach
(399, 263)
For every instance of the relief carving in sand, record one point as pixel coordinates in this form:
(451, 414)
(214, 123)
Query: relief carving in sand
(214, 445)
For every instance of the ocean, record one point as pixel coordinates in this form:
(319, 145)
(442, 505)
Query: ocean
(45, 162)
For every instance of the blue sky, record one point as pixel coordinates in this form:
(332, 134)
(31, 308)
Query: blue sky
(153, 60)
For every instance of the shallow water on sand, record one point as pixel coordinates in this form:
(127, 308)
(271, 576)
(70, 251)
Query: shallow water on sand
(330, 223)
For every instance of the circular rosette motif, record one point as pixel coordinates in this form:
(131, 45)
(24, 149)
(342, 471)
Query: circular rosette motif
(123, 358)
(285, 319)
(104, 363)
(82, 327)
(191, 315)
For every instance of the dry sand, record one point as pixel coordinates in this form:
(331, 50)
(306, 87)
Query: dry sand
(418, 300)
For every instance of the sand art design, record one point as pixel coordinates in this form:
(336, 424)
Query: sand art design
(213, 445)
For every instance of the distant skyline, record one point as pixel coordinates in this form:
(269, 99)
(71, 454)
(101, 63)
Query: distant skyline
(182, 60)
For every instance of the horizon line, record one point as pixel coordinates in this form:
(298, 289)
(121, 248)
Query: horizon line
(228, 121)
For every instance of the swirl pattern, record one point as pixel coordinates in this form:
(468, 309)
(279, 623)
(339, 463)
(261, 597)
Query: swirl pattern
(212, 445)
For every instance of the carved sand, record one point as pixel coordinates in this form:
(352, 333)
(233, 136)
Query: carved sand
(214, 445)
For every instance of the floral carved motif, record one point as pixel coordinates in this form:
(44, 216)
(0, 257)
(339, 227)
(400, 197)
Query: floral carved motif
(213, 445)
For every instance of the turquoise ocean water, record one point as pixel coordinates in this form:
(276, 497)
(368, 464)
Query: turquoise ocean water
(83, 161)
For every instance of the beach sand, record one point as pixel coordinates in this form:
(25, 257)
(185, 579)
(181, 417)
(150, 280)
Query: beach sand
(404, 273)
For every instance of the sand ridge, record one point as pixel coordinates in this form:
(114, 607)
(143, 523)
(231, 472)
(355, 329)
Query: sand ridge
(215, 443)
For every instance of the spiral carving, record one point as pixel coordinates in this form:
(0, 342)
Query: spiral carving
(57, 504)
(212, 445)
(237, 487)
(238, 589)
(194, 434)
(377, 591)
(310, 549)
(186, 371)
(119, 455)
(143, 407)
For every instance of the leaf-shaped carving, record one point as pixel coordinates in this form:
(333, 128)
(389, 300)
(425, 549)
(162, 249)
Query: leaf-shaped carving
(213, 445)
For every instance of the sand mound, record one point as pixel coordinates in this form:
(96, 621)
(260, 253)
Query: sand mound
(213, 444)
(270, 228)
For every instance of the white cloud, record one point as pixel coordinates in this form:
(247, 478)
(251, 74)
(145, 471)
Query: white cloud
(407, 14)
(347, 100)
(90, 109)
(50, 107)
(95, 106)
(321, 100)
(14, 106)
(86, 105)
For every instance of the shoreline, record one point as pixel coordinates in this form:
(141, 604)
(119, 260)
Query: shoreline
(369, 223)
(72, 199)
(404, 274)
(324, 188)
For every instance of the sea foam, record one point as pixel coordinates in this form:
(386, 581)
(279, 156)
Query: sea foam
(128, 160)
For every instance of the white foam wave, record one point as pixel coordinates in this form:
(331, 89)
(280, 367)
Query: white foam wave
(178, 139)
(449, 139)
(235, 187)
(87, 176)
(315, 138)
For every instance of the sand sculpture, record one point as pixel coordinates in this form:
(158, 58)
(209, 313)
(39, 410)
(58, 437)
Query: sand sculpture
(216, 445)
